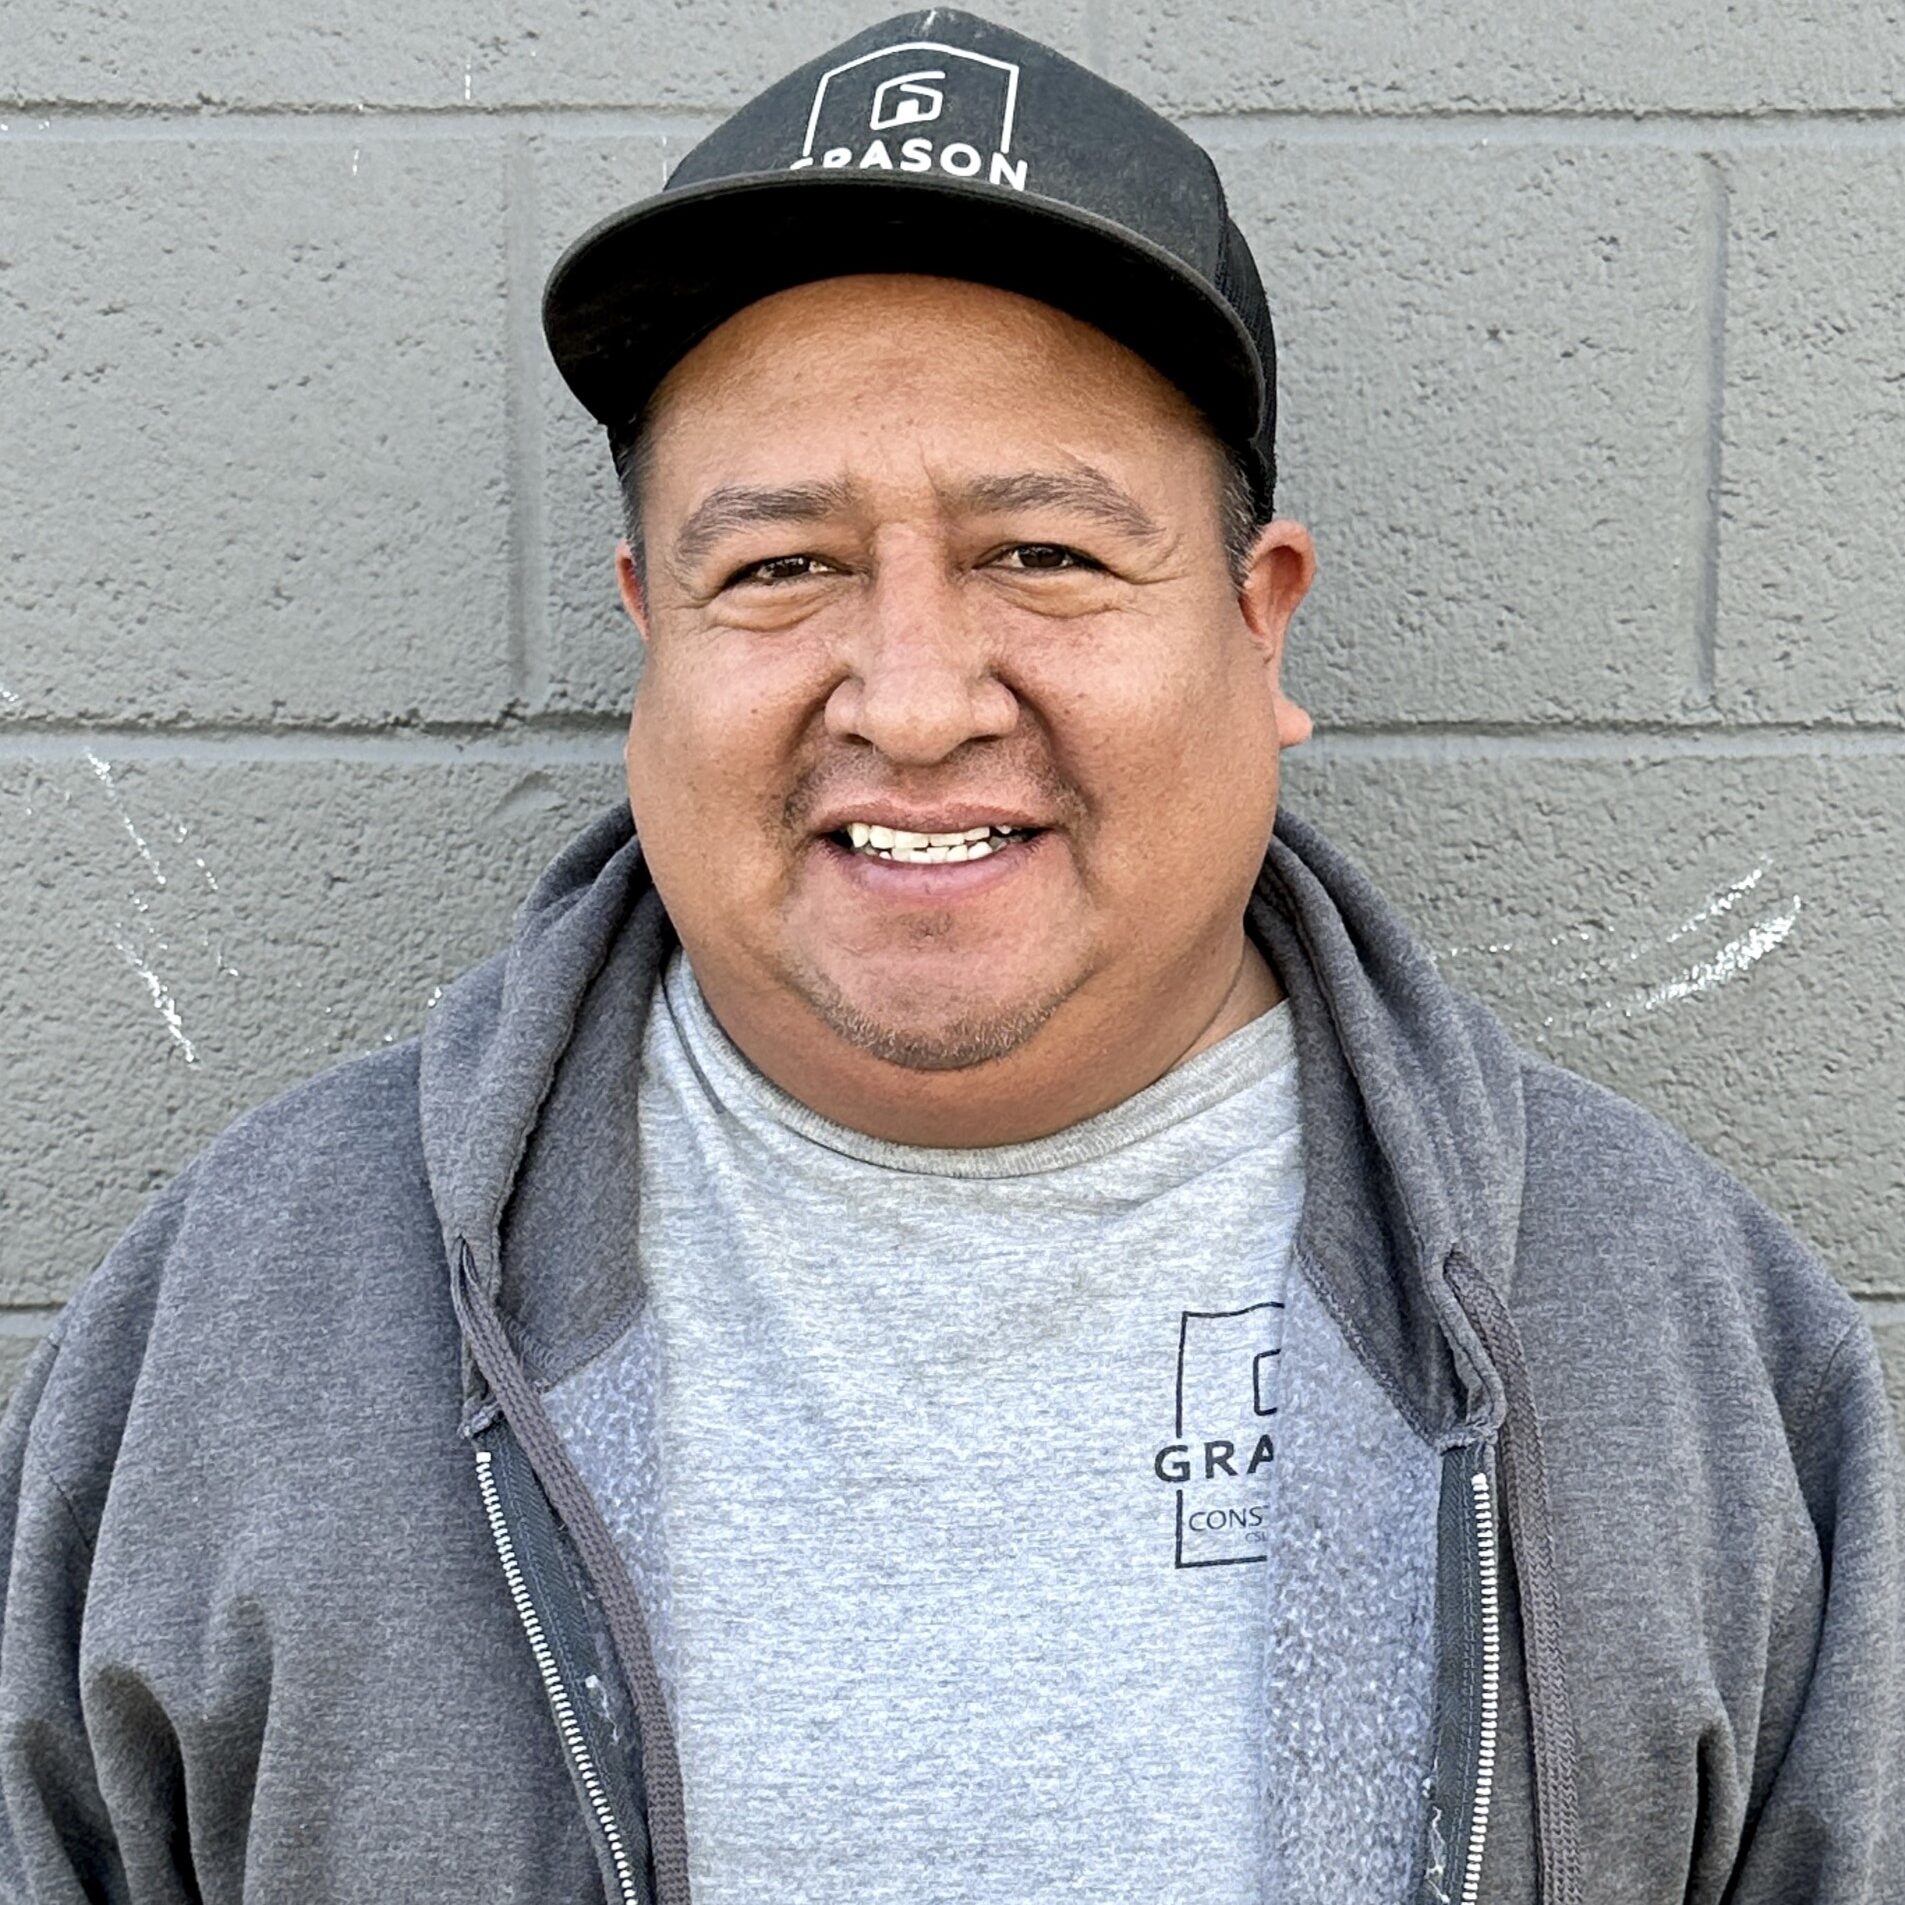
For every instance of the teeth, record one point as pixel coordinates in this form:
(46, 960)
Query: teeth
(927, 849)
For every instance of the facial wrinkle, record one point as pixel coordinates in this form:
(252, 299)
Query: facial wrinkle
(1079, 491)
(737, 506)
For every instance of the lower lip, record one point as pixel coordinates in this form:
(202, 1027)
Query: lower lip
(941, 880)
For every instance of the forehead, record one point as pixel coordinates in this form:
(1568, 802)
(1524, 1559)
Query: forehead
(892, 365)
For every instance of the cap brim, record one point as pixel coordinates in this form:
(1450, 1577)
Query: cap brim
(634, 295)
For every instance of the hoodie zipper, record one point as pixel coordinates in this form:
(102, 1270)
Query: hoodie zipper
(562, 1703)
(1488, 1586)
(1461, 1786)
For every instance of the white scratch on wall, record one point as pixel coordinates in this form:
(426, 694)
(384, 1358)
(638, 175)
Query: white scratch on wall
(182, 833)
(1734, 958)
(162, 1001)
(1718, 903)
(1550, 980)
(103, 771)
(1714, 906)
(8, 699)
(1493, 948)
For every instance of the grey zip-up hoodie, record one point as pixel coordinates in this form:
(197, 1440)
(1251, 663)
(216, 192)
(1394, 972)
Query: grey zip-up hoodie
(303, 1600)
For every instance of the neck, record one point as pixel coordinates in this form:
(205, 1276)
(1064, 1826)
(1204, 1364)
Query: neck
(1092, 1054)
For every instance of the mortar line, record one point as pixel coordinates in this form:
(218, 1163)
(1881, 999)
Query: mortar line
(1690, 131)
(574, 740)
(1666, 132)
(528, 545)
(28, 1319)
(1717, 206)
(1786, 740)
(344, 120)
(1095, 35)
(596, 739)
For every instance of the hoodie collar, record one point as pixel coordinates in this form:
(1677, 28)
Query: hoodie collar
(1413, 1130)
(1414, 1134)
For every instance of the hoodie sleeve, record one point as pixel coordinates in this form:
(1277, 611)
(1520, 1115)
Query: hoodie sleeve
(1831, 1826)
(86, 1771)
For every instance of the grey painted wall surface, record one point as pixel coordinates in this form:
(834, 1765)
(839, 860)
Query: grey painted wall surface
(1594, 393)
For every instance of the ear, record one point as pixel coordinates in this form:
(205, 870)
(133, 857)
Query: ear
(1282, 567)
(630, 586)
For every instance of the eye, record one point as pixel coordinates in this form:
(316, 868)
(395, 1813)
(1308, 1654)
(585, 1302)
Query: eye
(1042, 558)
(776, 569)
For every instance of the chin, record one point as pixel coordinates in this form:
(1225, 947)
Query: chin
(957, 1035)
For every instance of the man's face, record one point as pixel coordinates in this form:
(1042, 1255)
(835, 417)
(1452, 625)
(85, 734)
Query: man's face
(929, 558)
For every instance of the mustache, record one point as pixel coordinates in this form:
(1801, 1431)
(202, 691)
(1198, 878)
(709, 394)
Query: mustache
(1030, 783)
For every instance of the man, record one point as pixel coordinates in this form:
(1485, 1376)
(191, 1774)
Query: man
(955, 1320)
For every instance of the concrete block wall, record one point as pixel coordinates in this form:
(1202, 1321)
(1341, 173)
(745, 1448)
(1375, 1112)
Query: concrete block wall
(1594, 393)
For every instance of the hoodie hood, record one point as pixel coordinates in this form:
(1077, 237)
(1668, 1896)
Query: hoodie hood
(530, 1063)
(1414, 1130)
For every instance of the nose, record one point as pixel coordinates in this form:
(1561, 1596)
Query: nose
(919, 678)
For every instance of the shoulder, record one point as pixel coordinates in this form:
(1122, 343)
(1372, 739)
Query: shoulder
(1679, 1331)
(251, 1279)
(360, 1114)
(1659, 1227)
(1715, 1434)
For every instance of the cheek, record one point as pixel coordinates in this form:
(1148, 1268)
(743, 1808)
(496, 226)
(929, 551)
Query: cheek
(711, 747)
(1178, 762)
(1172, 736)
(722, 712)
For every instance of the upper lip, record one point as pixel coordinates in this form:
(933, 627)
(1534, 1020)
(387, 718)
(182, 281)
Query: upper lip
(943, 817)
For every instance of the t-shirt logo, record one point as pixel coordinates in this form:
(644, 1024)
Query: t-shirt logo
(1220, 1458)
(866, 114)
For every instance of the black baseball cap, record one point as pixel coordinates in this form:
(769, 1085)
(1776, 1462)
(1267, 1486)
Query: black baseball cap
(944, 144)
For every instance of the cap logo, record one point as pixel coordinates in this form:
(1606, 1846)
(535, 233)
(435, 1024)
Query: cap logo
(906, 100)
(969, 104)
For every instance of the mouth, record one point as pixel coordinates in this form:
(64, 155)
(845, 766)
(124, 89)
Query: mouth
(867, 840)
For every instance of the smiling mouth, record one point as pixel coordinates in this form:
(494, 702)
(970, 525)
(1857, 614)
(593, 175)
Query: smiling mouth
(869, 842)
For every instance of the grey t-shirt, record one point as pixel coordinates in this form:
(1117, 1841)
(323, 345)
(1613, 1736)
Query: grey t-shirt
(942, 1475)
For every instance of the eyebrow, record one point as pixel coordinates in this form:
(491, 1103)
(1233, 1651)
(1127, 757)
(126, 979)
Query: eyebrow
(747, 506)
(1082, 491)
